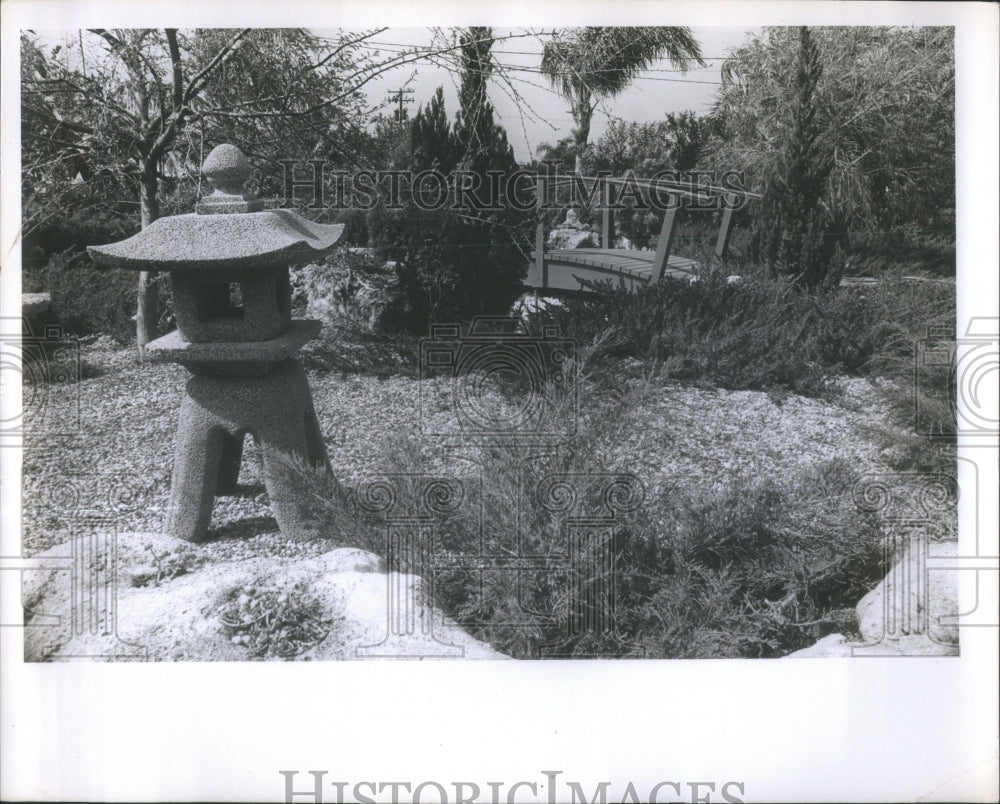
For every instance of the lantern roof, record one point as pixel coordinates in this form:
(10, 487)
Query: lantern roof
(230, 230)
(273, 238)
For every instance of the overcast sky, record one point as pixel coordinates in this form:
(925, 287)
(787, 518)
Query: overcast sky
(540, 115)
(537, 114)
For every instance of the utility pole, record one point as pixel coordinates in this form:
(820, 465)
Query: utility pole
(400, 96)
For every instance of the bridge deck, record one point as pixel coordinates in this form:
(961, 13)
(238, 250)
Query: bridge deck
(564, 267)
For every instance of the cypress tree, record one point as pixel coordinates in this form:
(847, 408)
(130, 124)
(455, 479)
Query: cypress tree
(795, 231)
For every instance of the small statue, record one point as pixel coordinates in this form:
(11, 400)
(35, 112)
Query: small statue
(572, 220)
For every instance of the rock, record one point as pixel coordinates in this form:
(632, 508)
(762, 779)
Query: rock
(342, 594)
(836, 646)
(34, 304)
(830, 646)
(911, 610)
(36, 313)
(528, 305)
(900, 617)
(353, 559)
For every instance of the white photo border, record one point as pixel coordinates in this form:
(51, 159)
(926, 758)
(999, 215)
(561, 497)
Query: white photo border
(806, 730)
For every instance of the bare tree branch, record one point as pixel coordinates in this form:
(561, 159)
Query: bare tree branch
(175, 63)
(199, 80)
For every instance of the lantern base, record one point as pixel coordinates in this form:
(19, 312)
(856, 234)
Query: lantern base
(216, 414)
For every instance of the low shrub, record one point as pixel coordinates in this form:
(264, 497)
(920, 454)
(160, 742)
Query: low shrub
(915, 356)
(907, 250)
(85, 228)
(91, 301)
(758, 568)
(54, 261)
(755, 333)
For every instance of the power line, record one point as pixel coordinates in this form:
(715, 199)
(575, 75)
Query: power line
(505, 52)
(386, 47)
(538, 71)
(400, 96)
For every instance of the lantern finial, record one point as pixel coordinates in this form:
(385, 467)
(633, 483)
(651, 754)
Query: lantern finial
(227, 170)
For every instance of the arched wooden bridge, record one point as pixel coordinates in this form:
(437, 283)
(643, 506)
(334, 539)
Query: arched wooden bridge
(567, 270)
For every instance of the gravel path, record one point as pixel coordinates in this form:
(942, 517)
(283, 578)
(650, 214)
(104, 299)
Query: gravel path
(121, 417)
(708, 438)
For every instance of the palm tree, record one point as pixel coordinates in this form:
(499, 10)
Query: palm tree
(586, 65)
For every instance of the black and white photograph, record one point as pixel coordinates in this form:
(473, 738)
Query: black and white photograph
(650, 359)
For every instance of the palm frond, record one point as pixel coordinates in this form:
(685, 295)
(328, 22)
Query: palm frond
(607, 59)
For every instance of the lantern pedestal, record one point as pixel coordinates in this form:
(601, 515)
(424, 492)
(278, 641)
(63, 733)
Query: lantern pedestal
(216, 414)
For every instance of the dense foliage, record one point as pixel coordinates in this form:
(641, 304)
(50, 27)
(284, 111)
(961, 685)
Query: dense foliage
(674, 143)
(884, 120)
(117, 123)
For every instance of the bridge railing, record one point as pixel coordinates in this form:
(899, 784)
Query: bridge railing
(679, 194)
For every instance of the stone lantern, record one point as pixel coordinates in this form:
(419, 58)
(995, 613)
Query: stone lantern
(228, 264)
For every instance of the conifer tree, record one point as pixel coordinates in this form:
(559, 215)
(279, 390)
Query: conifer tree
(432, 145)
(456, 263)
(795, 231)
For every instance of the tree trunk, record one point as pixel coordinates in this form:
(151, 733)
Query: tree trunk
(582, 136)
(147, 309)
(582, 115)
